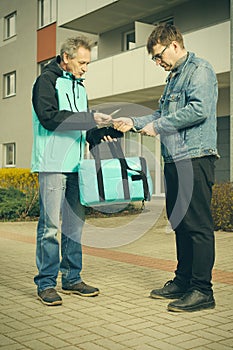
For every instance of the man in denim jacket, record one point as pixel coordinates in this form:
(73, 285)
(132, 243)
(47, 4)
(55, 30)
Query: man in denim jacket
(186, 123)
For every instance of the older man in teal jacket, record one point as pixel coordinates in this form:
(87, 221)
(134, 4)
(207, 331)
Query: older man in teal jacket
(60, 121)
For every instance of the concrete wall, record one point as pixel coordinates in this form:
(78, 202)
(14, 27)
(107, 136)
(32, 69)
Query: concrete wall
(72, 9)
(18, 54)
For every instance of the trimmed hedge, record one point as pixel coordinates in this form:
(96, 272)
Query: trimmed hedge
(222, 206)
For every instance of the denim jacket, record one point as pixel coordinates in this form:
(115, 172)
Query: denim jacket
(186, 118)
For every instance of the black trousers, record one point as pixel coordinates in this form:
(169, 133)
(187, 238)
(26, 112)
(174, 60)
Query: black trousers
(188, 185)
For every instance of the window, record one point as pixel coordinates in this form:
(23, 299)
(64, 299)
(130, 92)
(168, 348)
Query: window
(41, 65)
(10, 84)
(47, 11)
(10, 25)
(169, 20)
(9, 154)
(129, 40)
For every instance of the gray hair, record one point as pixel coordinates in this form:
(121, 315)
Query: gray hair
(70, 45)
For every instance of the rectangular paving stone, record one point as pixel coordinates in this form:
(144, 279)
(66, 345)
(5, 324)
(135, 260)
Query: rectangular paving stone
(153, 333)
(194, 343)
(109, 344)
(208, 335)
(13, 347)
(54, 342)
(218, 346)
(167, 330)
(37, 335)
(4, 328)
(121, 338)
(74, 334)
(228, 326)
(90, 346)
(104, 332)
(137, 340)
(223, 333)
(116, 328)
(37, 345)
(145, 347)
(6, 340)
(162, 345)
(227, 342)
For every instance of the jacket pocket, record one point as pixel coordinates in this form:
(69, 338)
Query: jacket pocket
(174, 102)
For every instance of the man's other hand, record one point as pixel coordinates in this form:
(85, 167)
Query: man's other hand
(149, 130)
(123, 124)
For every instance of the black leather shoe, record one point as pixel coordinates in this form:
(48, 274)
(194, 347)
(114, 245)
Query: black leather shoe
(192, 301)
(169, 291)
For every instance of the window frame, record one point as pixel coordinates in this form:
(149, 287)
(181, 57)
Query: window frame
(126, 42)
(169, 20)
(6, 163)
(10, 28)
(42, 64)
(46, 16)
(8, 90)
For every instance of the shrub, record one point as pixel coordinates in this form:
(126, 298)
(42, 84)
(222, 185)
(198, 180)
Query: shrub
(24, 182)
(19, 178)
(222, 206)
(12, 203)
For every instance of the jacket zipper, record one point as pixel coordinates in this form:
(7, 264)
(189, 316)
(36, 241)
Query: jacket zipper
(67, 96)
(73, 88)
(81, 137)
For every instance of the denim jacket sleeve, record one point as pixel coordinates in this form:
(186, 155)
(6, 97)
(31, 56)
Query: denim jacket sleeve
(194, 106)
(140, 122)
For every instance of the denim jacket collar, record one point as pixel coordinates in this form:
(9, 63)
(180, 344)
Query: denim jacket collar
(180, 67)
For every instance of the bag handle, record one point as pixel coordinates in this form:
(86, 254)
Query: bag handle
(96, 154)
(117, 152)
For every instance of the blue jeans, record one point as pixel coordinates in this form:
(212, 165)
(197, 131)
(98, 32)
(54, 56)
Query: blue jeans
(59, 196)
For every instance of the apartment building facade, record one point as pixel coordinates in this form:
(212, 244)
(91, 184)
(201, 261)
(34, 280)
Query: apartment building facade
(121, 74)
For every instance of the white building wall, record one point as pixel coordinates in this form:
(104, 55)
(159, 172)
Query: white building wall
(71, 9)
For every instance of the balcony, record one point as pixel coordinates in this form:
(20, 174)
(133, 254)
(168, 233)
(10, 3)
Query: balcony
(132, 76)
(103, 15)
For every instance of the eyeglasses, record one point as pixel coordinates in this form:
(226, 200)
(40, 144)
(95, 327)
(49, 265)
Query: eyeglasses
(158, 56)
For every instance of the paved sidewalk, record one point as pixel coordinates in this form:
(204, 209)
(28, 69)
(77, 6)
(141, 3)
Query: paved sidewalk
(125, 258)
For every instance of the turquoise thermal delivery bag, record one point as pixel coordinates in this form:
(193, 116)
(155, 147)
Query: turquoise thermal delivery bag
(114, 180)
